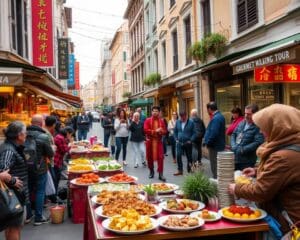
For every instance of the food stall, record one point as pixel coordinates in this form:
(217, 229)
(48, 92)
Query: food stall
(98, 226)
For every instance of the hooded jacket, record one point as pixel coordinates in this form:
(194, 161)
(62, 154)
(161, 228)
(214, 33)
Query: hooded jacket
(278, 175)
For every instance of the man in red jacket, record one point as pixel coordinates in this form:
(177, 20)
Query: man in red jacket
(155, 128)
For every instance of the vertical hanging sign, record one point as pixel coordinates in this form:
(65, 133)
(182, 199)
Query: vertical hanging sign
(76, 75)
(42, 33)
(63, 58)
(71, 81)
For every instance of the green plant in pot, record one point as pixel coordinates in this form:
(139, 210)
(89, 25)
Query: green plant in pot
(197, 186)
(150, 193)
(216, 44)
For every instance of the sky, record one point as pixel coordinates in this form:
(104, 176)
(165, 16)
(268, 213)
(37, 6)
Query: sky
(92, 22)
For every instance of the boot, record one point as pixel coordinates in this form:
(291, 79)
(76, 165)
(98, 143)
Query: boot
(151, 174)
(161, 177)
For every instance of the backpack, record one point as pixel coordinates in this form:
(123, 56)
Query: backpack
(30, 152)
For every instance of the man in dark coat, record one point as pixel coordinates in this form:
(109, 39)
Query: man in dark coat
(214, 138)
(245, 139)
(200, 129)
(44, 153)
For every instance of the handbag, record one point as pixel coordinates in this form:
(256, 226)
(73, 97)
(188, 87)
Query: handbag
(50, 188)
(10, 205)
(294, 233)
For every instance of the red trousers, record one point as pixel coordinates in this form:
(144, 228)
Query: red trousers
(154, 152)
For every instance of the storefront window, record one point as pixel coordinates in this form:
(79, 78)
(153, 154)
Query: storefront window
(228, 97)
(261, 94)
(292, 94)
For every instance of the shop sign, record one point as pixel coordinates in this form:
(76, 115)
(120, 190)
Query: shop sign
(11, 79)
(76, 76)
(262, 94)
(71, 81)
(278, 73)
(42, 109)
(274, 58)
(63, 58)
(42, 33)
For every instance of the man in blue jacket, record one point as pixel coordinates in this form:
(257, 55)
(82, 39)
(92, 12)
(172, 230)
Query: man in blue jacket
(185, 134)
(245, 139)
(214, 138)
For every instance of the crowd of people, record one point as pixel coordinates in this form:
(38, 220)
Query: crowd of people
(265, 143)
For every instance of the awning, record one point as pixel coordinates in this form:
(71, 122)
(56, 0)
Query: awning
(140, 102)
(269, 48)
(72, 100)
(56, 103)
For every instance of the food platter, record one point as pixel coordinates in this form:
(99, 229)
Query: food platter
(80, 161)
(94, 199)
(132, 180)
(73, 181)
(164, 187)
(263, 214)
(106, 224)
(217, 216)
(200, 205)
(85, 168)
(99, 211)
(162, 222)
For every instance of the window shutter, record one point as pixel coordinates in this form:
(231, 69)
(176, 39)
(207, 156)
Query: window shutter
(247, 14)
(252, 12)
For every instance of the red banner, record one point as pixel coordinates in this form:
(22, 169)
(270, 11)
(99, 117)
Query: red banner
(42, 33)
(76, 76)
(278, 73)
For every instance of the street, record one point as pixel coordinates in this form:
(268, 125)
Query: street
(70, 231)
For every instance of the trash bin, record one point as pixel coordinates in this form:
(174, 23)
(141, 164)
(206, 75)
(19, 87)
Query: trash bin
(57, 214)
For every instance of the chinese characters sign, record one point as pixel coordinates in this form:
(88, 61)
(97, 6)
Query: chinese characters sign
(71, 81)
(77, 79)
(42, 33)
(63, 58)
(278, 73)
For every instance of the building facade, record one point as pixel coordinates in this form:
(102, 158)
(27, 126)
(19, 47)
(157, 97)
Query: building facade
(261, 58)
(135, 15)
(120, 65)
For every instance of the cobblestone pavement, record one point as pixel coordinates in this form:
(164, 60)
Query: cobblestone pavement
(70, 231)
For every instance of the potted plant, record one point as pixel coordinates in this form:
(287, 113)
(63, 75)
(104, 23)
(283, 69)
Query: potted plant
(199, 51)
(150, 193)
(197, 186)
(126, 94)
(152, 79)
(216, 44)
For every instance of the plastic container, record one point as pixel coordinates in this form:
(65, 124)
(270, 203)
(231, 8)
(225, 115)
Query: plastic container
(57, 214)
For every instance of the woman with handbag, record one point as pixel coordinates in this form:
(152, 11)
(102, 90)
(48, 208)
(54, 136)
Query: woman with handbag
(12, 158)
(277, 185)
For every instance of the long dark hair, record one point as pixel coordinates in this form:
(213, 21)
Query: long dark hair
(125, 115)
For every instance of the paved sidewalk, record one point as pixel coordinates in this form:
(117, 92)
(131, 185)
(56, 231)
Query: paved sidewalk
(70, 231)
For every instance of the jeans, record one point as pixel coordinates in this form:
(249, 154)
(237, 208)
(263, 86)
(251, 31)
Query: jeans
(106, 138)
(121, 142)
(164, 140)
(187, 148)
(112, 144)
(173, 146)
(139, 151)
(40, 196)
(82, 134)
(213, 161)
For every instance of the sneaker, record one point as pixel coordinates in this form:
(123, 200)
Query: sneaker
(136, 165)
(178, 173)
(28, 220)
(124, 163)
(40, 222)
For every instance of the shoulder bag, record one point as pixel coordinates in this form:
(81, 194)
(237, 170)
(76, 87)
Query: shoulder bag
(10, 205)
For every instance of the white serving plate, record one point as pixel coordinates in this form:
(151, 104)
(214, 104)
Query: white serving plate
(99, 211)
(163, 205)
(162, 219)
(106, 223)
(263, 215)
(198, 214)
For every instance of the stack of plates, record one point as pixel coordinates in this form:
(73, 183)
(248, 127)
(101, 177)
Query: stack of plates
(225, 177)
